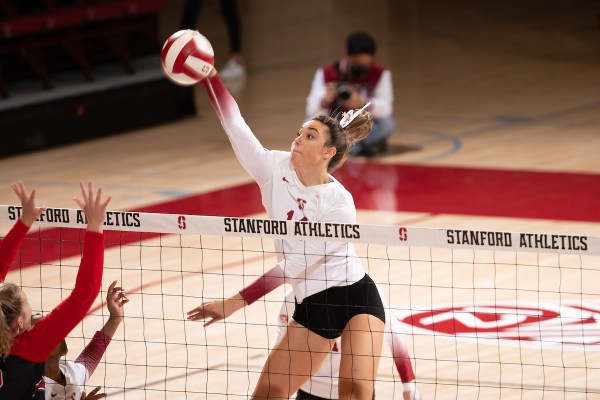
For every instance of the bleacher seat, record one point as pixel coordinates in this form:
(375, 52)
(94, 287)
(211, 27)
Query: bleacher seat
(73, 25)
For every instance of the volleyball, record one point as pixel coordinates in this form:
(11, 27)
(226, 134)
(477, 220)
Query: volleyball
(187, 57)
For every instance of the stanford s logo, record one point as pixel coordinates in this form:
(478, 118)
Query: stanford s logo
(402, 234)
(181, 222)
(548, 324)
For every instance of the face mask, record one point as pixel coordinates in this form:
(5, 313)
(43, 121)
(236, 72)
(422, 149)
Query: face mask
(358, 70)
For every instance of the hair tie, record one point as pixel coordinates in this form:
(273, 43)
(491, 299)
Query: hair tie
(351, 115)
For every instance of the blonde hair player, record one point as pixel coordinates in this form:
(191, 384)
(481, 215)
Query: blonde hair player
(24, 347)
(296, 185)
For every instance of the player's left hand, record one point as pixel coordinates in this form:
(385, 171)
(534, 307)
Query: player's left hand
(115, 300)
(216, 310)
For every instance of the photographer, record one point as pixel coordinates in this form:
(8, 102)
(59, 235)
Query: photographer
(351, 83)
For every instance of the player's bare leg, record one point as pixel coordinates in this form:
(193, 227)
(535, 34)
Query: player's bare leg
(293, 360)
(361, 349)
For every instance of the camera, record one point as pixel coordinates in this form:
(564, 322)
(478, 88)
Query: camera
(344, 90)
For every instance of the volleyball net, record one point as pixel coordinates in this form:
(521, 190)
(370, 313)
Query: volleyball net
(484, 314)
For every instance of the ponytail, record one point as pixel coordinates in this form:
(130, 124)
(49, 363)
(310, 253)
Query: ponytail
(359, 128)
(10, 309)
(344, 138)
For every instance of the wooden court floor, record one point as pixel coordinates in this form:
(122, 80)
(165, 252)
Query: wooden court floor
(478, 87)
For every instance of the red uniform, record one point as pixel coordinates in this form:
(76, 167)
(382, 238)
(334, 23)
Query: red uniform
(21, 372)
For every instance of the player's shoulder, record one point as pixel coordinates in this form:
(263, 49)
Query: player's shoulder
(340, 191)
(340, 200)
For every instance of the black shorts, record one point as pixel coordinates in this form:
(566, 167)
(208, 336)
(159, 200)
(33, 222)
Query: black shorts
(302, 395)
(327, 313)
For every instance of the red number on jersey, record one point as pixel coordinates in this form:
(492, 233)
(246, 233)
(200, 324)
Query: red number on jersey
(290, 215)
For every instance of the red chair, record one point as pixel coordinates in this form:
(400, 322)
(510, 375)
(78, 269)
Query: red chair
(106, 11)
(143, 7)
(22, 25)
(65, 18)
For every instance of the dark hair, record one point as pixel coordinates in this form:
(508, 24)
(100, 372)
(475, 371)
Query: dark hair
(344, 138)
(10, 308)
(360, 42)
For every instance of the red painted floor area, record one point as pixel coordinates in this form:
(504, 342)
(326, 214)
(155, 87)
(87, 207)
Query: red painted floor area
(468, 191)
(435, 190)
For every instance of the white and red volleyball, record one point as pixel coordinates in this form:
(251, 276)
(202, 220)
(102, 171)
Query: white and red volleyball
(187, 57)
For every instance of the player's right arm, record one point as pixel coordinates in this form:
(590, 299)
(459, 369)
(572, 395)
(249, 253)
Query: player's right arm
(50, 330)
(93, 352)
(10, 245)
(13, 239)
(36, 344)
(255, 159)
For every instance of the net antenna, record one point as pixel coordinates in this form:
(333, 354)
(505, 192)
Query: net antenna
(351, 115)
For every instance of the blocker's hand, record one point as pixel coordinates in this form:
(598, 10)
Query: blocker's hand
(116, 298)
(94, 395)
(92, 206)
(30, 211)
(216, 310)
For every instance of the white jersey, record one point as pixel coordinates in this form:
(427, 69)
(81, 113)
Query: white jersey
(76, 375)
(309, 266)
(79, 371)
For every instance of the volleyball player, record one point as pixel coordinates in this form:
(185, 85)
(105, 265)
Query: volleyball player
(323, 385)
(25, 347)
(335, 297)
(65, 379)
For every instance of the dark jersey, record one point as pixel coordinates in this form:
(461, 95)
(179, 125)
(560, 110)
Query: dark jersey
(21, 379)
